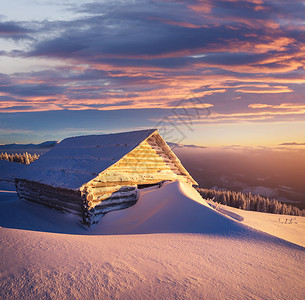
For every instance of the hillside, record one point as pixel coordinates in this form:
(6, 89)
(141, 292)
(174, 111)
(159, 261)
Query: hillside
(47, 144)
(171, 245)
(30, 148)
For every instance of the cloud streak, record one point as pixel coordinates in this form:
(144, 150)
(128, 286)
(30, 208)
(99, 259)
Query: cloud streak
(244, 59)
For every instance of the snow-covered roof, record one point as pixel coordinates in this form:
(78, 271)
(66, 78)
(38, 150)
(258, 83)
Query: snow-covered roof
(77, 160)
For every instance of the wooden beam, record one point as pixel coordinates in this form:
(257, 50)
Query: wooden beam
(142, 159)
(39, 192)
(59, 190)
(110, 189)
(115, 194)
(114, 206)
(111, 202)
(52, 205)
(133, 182)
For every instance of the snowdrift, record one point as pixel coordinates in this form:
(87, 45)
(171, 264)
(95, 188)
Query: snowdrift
(175, 208)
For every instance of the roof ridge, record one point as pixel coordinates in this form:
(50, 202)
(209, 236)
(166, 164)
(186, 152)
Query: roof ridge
(115, 133)
(81, 155)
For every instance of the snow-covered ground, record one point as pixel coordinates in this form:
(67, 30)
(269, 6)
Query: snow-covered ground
(170, 245)
(9, 170)
(290, 228)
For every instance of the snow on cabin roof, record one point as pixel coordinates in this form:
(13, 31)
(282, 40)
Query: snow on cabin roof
(77, 160)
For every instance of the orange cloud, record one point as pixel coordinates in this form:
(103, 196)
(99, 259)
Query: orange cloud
(236, 117)
(254, 88)
(259, 105)
(271, 44)
(268, 90)
(176, 23)
(297, 106)
(203, 7)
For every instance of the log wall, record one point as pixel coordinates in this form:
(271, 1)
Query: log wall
(90, 207)
(99, 200)
(115, 188)
(61, 199)
(150, 162)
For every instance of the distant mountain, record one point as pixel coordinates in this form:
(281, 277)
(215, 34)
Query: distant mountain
(175, 145)
(292, 144)
(48, 144)
(51, 144)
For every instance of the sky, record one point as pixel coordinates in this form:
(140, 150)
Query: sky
(203, 72)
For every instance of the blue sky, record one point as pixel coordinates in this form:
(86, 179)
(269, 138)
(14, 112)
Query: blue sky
(204, 72)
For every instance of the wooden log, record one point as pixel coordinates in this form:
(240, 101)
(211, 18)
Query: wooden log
(139, 152)
(139, 169)
(144, 147)
(51, 205)
(89, 197)
(149, 147)
(110, 189)
(139, 181)
(143, 163)
(110, 197)
(62, 191)
(53, 201)
(147, 157)
(137, 166)
(103, 197)
(105, 183)
(160, 153)
(141, 160)
(131, 178)
(106, 209)
(116, 194)
(126, 178)
(122, 166)
(39, 192)
(138, 174)
(144, 160)
(120, 177)
(133, 173)
(105, 203)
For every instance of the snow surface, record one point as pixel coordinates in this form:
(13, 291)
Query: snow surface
(170, 245)
(289, 228)
(9, 170)
(77, 160)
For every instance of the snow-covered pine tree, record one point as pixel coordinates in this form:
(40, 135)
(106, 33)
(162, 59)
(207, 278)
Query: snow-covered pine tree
(26, 159)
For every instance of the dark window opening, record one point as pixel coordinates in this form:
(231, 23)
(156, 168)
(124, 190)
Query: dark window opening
(144, 186)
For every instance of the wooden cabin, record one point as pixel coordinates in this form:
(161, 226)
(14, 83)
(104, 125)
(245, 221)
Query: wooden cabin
(95, 174)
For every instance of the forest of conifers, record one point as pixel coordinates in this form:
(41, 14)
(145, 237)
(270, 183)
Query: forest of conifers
(247, 201)
(22, 158)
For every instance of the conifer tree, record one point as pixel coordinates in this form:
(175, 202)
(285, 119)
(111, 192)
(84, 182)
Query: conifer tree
(250, 202)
